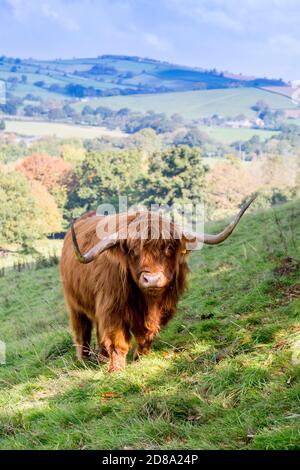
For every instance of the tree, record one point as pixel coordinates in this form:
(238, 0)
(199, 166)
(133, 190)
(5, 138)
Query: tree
(10, 152)
(146, 140)
(21, 218)
(69, 111)
(87, 110)
(46, 145)
(194, 137)
(259, 106)
(2, 125)
(51, 216)
(30, 110)
(53, 173)
(72, 153)
(175, 176)
(102, 177)
(228, 182)
(9, 108)
(56, 113)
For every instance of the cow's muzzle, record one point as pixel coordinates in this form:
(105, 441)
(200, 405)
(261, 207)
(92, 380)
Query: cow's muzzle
(152, 280)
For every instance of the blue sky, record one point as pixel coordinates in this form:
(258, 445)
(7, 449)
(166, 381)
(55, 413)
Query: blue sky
(255, 37)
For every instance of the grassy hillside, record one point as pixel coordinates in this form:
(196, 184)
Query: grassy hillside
(220, 375)
(135, 74)
(42, 129)
(196, 104)
(227, 135)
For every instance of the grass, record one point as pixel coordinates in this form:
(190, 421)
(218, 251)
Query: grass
(220, 375)
(296, 122)
(42, 129)
(41, 249)
(227, 135)
(196, 104)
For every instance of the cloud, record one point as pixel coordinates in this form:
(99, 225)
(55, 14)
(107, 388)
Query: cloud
(52, 10)
(259, 37)
(209, 13)
(157, 42)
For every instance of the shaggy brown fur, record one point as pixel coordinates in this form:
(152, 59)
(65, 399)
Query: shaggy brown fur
(107, 292)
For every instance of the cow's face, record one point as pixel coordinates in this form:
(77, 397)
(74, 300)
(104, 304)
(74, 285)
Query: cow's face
(153, 265)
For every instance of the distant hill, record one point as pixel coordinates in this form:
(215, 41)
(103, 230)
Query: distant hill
(113, 75)
(197, 104)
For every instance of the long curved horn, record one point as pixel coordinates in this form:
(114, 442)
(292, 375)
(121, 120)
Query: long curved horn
(220, 237)
(89, 256)
(104, 244)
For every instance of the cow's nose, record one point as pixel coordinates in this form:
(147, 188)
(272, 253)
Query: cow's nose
(152, 279)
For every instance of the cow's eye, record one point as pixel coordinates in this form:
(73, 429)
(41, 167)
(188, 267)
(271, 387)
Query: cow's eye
(134, 253)
(169, 250)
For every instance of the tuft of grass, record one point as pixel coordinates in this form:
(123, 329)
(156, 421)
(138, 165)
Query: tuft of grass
(220, 376)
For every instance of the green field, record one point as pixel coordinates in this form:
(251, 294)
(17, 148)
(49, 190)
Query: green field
(196, 104)
(296, 122)
(42, 129)
(225, 374)
(227, 135)
(118, 72)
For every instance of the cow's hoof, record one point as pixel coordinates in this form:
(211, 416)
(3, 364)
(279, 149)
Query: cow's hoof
(136, 355)
(114, 368)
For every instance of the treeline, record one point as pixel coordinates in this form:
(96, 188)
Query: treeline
(44, 192)
(123, 119)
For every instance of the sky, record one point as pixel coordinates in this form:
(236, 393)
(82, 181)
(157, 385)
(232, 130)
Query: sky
(253, 37)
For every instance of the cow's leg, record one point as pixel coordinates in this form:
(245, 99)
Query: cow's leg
(116, 341)
(146, 335)
(144, 342)
(102, 351)
(82, 331)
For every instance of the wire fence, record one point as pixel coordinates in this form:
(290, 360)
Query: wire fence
(40, 262)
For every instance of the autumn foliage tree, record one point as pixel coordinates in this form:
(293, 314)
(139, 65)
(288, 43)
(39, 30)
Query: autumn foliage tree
(51, 215)
(52, 172)
(230, 181)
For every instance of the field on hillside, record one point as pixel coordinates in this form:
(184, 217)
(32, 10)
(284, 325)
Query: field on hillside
(196, 104)
(296, 122)
(225, 374)
(41, 129)
(227, 135)
(44, 251)
(140, 75)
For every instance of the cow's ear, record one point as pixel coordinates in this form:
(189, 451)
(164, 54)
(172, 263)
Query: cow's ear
(183, 253)
(185, 249)
(188, 244)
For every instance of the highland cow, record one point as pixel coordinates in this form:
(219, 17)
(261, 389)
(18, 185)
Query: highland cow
(127, 281)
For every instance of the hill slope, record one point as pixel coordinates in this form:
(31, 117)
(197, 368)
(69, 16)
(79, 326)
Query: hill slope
(196, 104)
(113, 75)
(220, 375)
